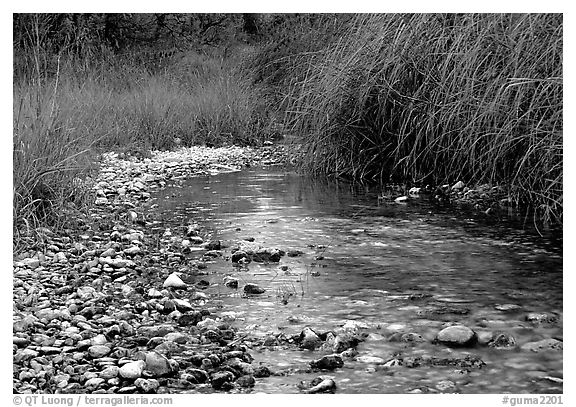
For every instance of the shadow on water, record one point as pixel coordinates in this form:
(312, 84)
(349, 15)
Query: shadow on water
(407, 268)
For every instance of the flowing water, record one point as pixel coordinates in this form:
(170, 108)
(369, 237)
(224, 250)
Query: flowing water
(390, 267)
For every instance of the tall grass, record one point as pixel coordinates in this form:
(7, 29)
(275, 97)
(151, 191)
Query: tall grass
(437, 98)
(64, 118)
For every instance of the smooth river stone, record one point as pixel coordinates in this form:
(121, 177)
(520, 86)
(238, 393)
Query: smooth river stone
(457, 335)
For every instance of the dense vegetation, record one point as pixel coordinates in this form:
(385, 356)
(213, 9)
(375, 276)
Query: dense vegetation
(417, 98)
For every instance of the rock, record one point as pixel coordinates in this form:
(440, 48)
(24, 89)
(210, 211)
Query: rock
(253, 289)
(99, 339)
(23, 355)
(101, 201)
(393, 363)
(543, 345)
(239, 255)
(158, 365)
(94, 383)
(132, 370)
(401, 199)
(409, 337)
(147, 385)
(267, 255)
(220, 379)
(507, 307)
(207, 324)
(154, 293)
(353, 325)
(228, 316)
(373, 360)
(98, 351)
(110, 372)
(262, 371)
(174, 281)
(458, 186)
(182, 305)
(31, 262)
(344, 341)
(231, 282)
(213, 245)
(457, 335)
(328, 362)
(168, 347)
(446, 386)
(197, 375)
(132, 251)
(20, 342)
(541, 318)
(485, 337)
(190, 318)
(309, 339)
(322, 385)
(503, 341)
(110, 252)
(246, 381)
(176, 337)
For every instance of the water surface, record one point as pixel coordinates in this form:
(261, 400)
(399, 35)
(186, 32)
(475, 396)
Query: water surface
(396, 268)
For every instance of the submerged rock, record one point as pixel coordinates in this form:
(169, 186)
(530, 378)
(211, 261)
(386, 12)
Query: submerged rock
(253, 289)
(457, 335)
(503, 341)
(267, 255)
(541, 318)
(321, 385)
(328, 362)
(544, 345)
(240, 255)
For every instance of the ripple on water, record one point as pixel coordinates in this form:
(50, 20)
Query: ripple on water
(399, 269)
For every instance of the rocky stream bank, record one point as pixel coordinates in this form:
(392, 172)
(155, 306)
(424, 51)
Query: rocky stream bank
(110, 306)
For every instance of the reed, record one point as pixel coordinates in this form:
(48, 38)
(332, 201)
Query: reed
(64, 118)
(439, 98)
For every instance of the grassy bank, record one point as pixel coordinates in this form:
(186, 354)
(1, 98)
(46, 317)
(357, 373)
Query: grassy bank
(426, 99)
(63, 120)
(439, 98)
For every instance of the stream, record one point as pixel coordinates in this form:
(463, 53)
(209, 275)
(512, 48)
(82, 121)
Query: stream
(386, 267)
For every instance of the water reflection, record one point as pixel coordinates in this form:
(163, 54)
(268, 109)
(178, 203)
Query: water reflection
(409, 267)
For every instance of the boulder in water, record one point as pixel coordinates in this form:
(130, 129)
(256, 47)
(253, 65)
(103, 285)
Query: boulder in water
(321, 385)
(328, 362)
(309, 339)
(457, 335)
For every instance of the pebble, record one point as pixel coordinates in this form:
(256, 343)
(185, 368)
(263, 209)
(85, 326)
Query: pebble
(98, 351)
(132, 370)
(174, 281)
(147, 385)
(109, 372)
